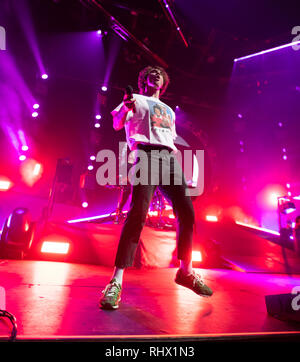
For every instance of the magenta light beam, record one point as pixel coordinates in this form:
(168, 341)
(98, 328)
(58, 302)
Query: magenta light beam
(25, 18)
(267, 51)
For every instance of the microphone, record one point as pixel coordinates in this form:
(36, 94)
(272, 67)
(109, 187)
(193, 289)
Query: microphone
(129, 91)
(129, 94)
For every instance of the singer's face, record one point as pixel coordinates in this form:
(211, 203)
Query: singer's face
(155, 79)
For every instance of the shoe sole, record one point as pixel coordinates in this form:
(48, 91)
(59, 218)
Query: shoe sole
(109, 306)
(202, 295)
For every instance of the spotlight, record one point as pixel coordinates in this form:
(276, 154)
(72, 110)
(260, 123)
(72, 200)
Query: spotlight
(99, 32)
(284, 157)
(37, 169)
(286, 206)
(196, 256)
(104, 88)
(211, 218)
(90, 167)
(36, 106)
(44, 76)
(5, 185)
(98, 116)
(92, 158)
(97, 125)
(17, 234)
(55, 247)
(34, 114)
(85, 204)
(24, 148)
(22, 158)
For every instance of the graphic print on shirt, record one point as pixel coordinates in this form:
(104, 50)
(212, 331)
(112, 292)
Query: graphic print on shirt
(160, 115)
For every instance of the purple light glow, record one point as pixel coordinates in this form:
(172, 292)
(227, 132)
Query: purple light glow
(267, 51)
(25, 18)
(97, 125)
(288, 185)
(85, 204)
(280, 124)
(284, 157)
(25, 148)
(90, 167)
(98, 116)
(34, 114)
(240, 116)
(92, 158)
(44, 76)
(36, 106)
(104, 88)
(22, 158)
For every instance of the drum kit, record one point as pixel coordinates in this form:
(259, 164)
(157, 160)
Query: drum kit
(160, 214)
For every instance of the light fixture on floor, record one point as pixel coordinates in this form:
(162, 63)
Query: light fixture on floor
(17, 234)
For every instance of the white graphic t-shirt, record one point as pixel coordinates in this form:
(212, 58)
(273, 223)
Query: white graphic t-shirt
(153, 123)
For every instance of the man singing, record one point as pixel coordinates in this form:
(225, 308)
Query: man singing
(137, 113)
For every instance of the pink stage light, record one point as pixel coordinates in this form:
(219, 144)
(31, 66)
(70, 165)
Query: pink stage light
(37, 169)
(22, 158)
(267, 51)
(31, 171)
(98, 116)
(36, 106)
(212, 218)
(55, 247)
(104, 88)
(25, 148)
(44, 76)
(84, 204)
(90, 167)
(34, 114)
(92, 158)
(196, 256)
(97, 125)
(5, 185)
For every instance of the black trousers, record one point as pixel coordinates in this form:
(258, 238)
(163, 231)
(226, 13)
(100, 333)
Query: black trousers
(175, 193)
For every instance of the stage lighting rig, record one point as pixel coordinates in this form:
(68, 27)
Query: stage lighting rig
(285, 205)
(17, 234)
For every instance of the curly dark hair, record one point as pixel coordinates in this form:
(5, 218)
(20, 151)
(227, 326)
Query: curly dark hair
(144, 74)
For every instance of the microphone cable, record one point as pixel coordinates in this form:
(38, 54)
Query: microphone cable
(13, 321)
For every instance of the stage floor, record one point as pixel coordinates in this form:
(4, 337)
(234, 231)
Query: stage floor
(53, 299)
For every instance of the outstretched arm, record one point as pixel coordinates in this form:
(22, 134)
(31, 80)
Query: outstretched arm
(119, 117)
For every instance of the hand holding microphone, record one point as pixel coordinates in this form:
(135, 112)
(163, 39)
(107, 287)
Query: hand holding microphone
(128, 99)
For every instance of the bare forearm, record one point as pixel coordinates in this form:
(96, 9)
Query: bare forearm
(119, 118)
